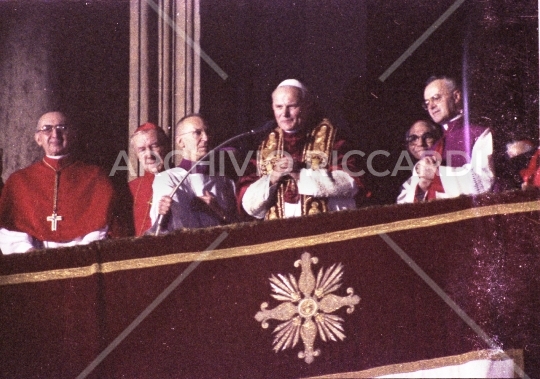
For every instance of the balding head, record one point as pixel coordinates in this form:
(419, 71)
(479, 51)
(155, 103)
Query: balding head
(191, 137)
(442, 99)
(54, 133)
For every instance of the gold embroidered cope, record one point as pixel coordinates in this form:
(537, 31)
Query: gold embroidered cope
(317, 155)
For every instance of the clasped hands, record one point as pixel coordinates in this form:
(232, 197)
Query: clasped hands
(427, 168)
(283, 166)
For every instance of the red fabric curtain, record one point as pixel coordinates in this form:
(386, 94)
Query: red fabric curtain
(61, 309)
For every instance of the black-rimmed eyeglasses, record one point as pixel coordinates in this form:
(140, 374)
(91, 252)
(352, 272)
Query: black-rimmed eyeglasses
(426, 138)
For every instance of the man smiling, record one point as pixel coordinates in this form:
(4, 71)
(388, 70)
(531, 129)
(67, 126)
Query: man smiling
(58, 201)
(420, 138)
(296, 172)
(419, 141)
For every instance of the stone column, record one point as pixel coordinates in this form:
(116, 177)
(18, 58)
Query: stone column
(26, 82)
(164, 64)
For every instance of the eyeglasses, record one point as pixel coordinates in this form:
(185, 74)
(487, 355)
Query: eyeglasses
(195, 133)
(49, 128)
(436, 99)
(427, 138)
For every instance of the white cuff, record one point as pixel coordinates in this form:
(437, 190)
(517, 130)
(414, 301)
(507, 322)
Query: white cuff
(320, 183)
(255, 199)
(15, 242)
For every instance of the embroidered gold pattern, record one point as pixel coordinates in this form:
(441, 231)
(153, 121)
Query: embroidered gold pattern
(316, 159)
(270, 151)
(317, 155)
(313, 205)
(307, 307)
(318, 151)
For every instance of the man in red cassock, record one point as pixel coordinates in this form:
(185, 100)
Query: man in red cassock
(301, 167)
(58, 201)
(151, 145)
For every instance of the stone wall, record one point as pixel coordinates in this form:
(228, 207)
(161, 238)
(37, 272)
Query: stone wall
(25, 82)
(69, 56)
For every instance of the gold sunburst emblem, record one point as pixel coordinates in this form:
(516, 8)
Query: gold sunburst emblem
(307, 307)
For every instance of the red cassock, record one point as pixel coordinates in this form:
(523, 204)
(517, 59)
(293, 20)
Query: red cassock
(141, 190)
(84, 199)
(531, 174)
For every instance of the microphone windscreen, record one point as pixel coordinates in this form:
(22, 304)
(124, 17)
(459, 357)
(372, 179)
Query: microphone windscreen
(266, 127)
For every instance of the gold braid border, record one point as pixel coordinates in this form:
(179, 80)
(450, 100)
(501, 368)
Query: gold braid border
(319, 146)
(411, 367)
(270, 150)
(321, 143)
(273, 246)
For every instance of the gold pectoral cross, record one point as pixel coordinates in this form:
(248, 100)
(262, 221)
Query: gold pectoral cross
(53, 219)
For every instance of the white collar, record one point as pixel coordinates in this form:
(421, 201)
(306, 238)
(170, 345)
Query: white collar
(291, 131)
(445, 126)
(57, 156)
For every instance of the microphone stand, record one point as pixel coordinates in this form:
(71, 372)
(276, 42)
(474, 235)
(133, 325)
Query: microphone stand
(267, 126)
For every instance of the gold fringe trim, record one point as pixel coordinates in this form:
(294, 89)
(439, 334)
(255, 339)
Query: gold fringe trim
(269, 247)
(494, 355)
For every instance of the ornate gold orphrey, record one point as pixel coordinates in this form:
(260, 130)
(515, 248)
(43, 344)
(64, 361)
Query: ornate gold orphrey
(306, 307)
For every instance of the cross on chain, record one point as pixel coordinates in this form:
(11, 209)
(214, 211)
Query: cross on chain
(53, 219)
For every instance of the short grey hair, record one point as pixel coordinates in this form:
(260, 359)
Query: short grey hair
(180, 122)
(450, 83)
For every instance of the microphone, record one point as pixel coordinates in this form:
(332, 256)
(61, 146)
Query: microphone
(266, 127)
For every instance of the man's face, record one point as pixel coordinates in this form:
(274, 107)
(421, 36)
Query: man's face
(288, 108)
(149, 151)
(420, 139)
(55, 141)
(442, 104)
(192, 138)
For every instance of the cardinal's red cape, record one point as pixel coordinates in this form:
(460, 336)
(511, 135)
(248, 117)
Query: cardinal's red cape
(84, 199)
(141, 190)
